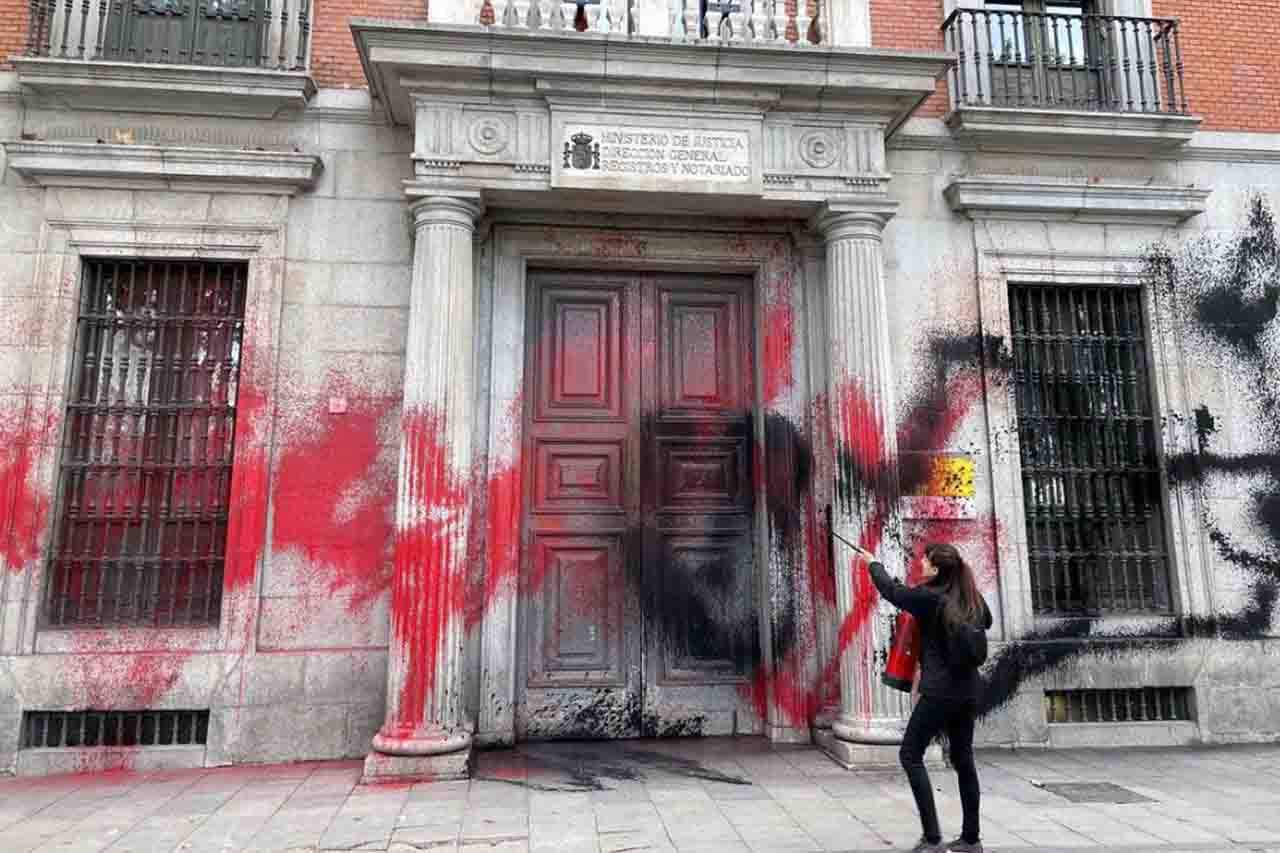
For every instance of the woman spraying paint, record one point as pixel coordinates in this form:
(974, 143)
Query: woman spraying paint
(953, 619)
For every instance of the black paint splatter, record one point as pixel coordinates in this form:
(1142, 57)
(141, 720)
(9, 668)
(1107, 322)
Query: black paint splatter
(1236, 296)
(584, 767)
(1205, 427)
(1239, 311)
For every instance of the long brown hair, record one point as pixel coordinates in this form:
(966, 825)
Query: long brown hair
(961, 601)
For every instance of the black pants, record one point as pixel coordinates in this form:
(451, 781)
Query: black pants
(930, 718)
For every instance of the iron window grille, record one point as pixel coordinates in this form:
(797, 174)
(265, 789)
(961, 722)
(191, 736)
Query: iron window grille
(56, 729)
(145, 475)
(1090, 473)
(1126, 705)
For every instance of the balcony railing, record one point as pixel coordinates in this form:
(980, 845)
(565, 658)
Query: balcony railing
(1098, 63)
(221, 33)
(703, 21)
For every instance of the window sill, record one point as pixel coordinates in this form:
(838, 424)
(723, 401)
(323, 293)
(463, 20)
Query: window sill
(1054, 130)
(1004, 197)
(55, 641)
(84, 164)
(156, 88)
(1087, 735)
(1100, 629)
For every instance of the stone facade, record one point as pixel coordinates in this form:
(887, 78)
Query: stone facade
(377, 592)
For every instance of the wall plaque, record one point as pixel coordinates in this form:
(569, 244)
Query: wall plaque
(640, 155)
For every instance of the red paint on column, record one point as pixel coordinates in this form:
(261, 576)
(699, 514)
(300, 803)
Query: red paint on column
(797, 700)
(423, 598)
(863, 436)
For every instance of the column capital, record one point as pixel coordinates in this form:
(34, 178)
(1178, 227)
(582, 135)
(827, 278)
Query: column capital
(846, 219)
(458, 208)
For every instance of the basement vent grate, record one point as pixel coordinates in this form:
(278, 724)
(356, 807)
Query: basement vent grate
(52, 729)
(1130, 705)
(1094, 792)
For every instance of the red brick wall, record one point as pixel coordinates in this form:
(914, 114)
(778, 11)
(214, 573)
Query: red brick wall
(1230, 49)
(1231, 54)
(334, 62)
(13, 30)
(911, 25)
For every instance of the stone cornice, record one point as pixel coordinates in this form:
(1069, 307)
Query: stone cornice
(400, 57)
(1071, 131)
(155, 87)
(83, 164)
(907, 141)
(990, 197)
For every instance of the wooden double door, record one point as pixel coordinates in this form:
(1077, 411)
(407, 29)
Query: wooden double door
(638, 613)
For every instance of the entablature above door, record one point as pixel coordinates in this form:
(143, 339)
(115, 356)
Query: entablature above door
(627, 122)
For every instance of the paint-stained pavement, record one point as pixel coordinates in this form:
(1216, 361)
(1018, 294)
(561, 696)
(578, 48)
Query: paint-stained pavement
(692, 795)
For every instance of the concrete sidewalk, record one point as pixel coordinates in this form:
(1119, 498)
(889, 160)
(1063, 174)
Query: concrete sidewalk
(692, 795)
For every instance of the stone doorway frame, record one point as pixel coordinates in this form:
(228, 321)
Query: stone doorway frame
(780, 268)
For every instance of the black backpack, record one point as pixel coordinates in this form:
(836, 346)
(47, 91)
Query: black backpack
(965, 645)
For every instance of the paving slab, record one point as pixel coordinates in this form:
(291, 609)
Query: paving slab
(713, 794)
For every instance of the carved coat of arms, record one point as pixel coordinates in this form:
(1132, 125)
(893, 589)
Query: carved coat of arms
(584, 153)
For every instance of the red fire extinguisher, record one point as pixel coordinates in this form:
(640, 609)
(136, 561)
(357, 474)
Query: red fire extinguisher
(904, 654)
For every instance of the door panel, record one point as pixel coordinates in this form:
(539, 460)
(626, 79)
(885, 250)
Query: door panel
(580, 620)
(576, 618)
(697, 544)
(638, 612)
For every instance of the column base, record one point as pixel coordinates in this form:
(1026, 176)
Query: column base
(869, 756)
(382, 768)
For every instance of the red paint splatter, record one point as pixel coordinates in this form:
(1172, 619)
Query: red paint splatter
(503, 541)
(100, 679)
(333, 500)
(22, 502)
(976, 538)
(929, 426)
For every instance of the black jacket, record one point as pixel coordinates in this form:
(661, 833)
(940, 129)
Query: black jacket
(937, 678)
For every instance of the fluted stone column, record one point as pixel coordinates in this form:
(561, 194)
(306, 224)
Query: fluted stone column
(426, 733)
(865, 501)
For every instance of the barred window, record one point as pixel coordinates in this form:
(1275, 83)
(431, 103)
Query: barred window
(1090, 477)
(145, 473)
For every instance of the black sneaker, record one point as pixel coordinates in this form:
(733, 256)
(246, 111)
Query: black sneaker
(962, 846)
(924, 845)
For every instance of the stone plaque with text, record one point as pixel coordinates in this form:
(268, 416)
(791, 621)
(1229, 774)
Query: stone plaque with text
(633, 154)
